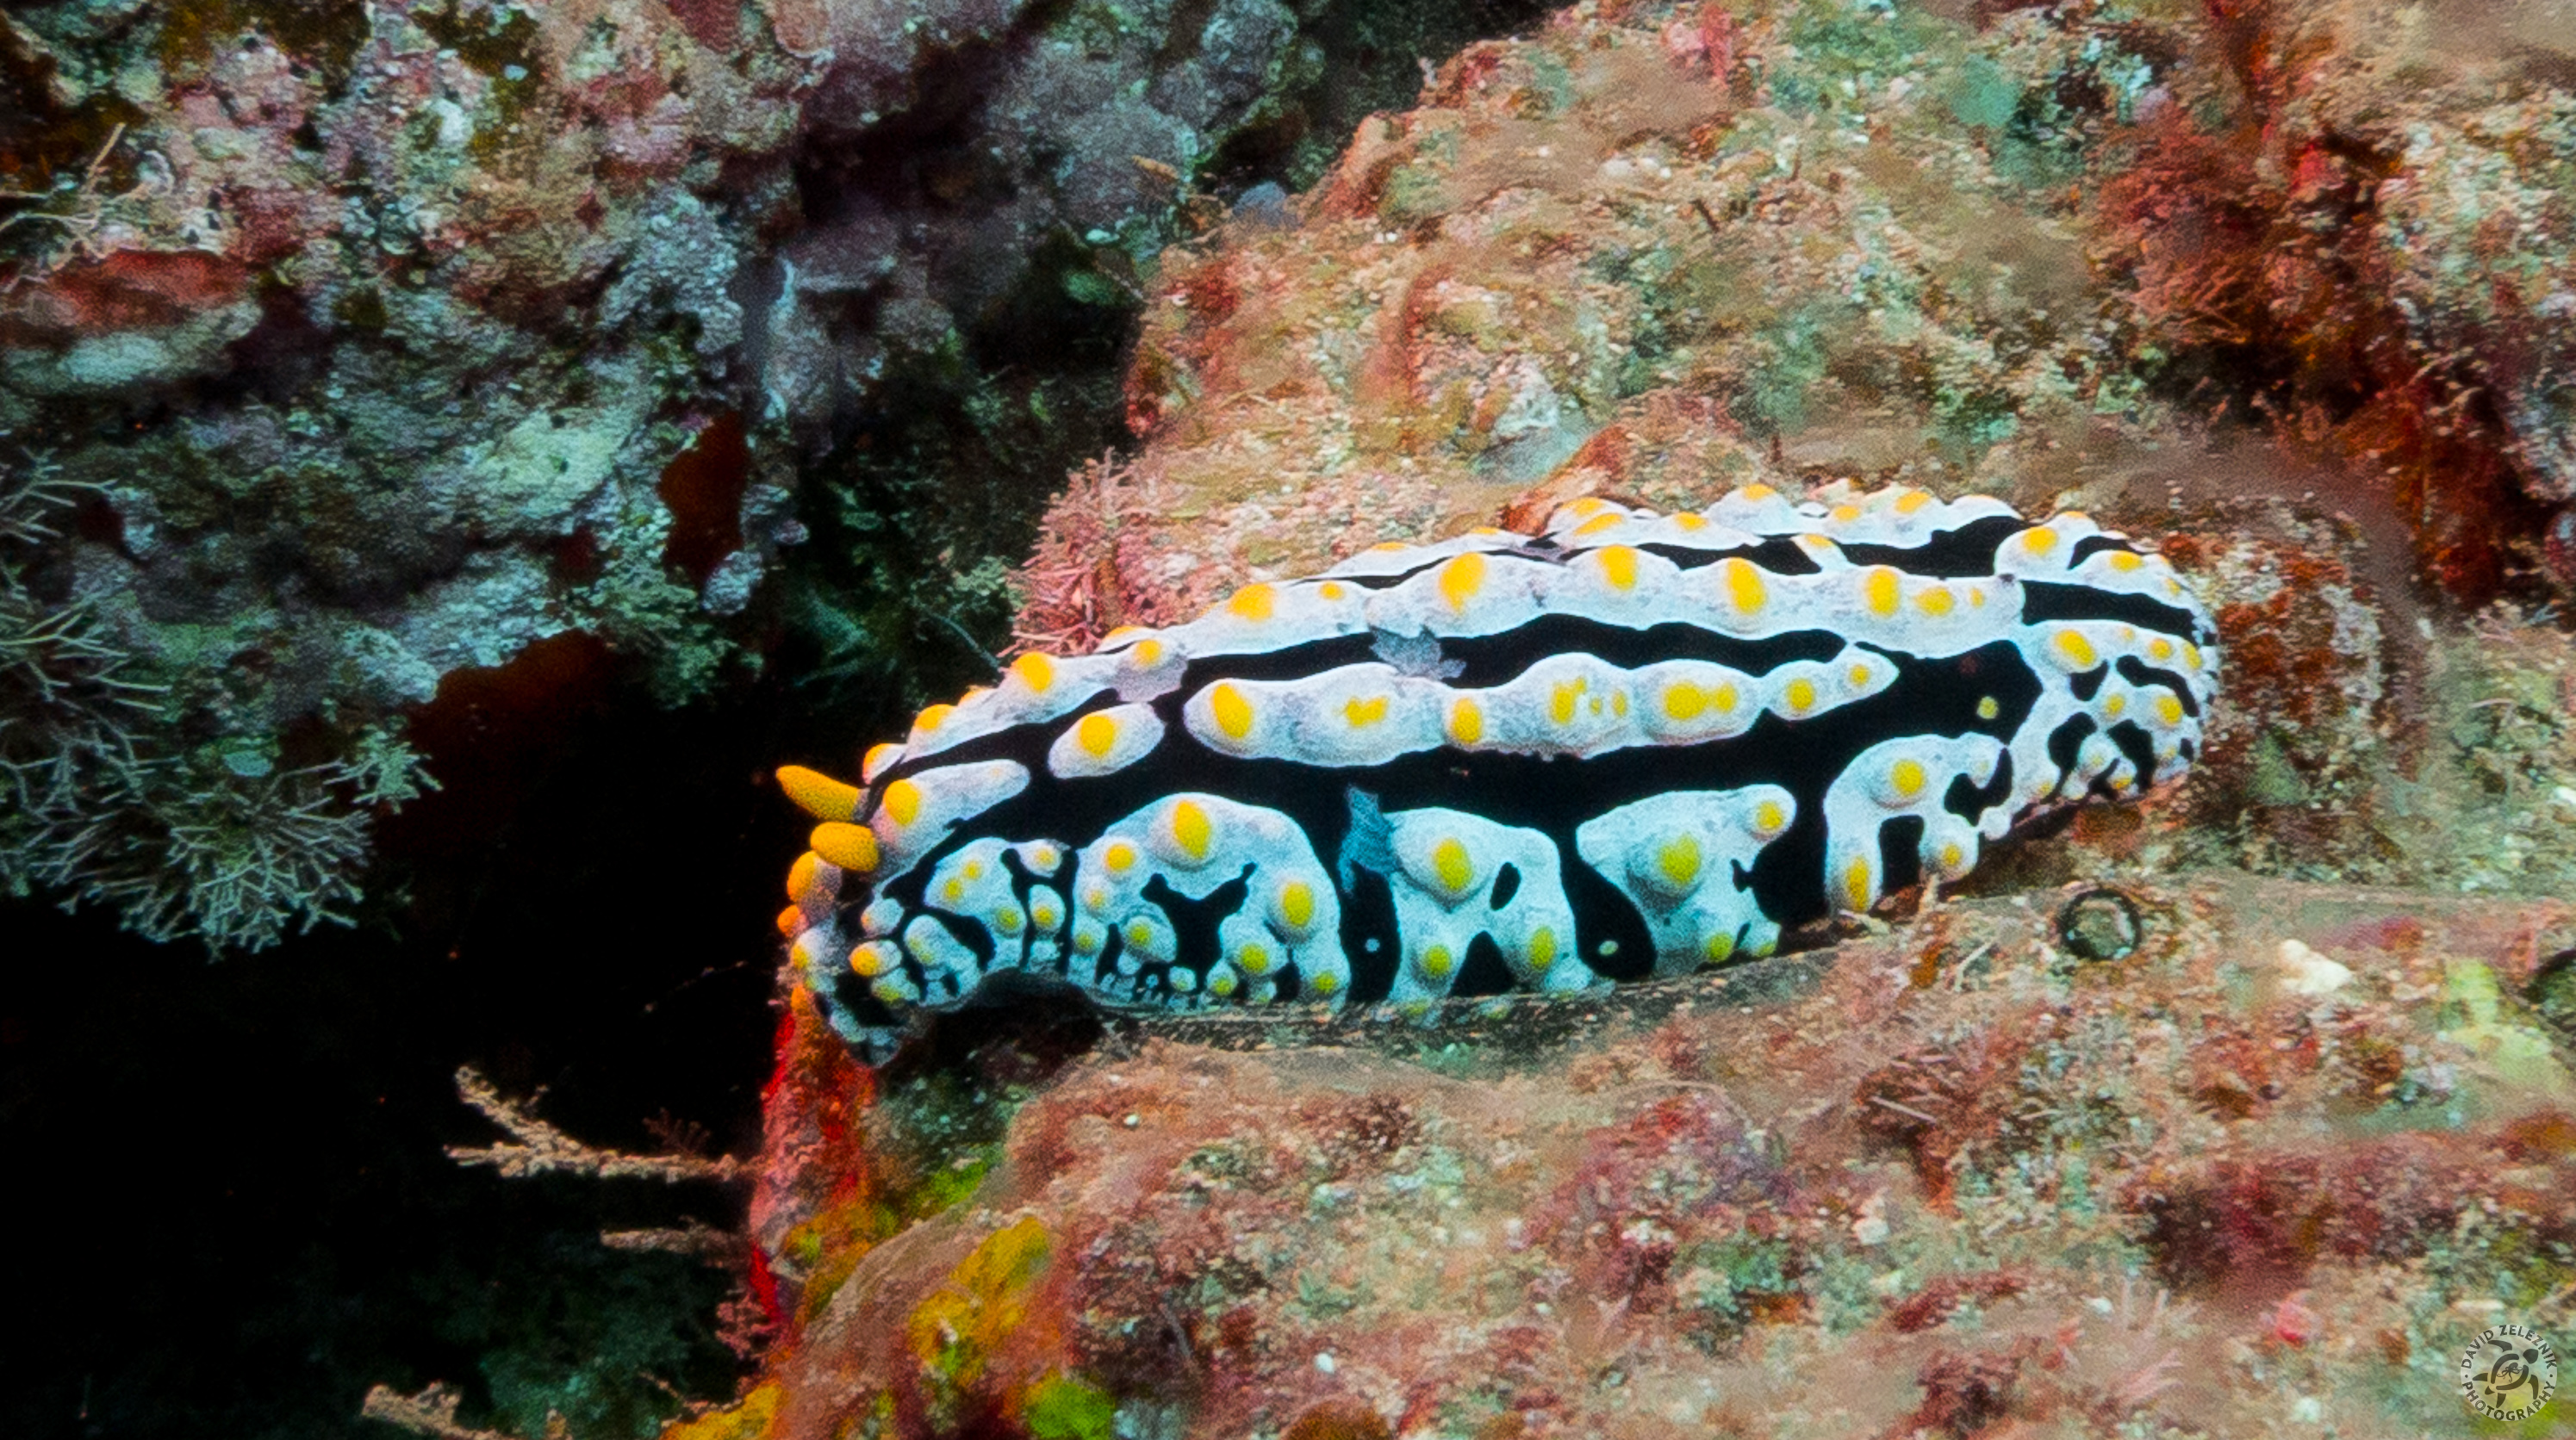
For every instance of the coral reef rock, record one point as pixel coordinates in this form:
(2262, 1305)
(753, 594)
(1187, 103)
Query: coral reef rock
(2244, 1107)
(1961, 1168)
(349, 347)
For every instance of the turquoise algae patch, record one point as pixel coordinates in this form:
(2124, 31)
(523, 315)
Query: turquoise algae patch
(1623, 748)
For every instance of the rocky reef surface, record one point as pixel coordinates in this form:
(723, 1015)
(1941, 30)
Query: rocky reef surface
(348, 348)
(2237, 1112)
(1948, 1180)
(357, 360)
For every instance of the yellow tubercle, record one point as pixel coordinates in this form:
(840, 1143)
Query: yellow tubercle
(1906, 778)
(901, 802)
(1564, 700)
(1679, 860)
(1461, 578)
(1856, 885)
(1296, 905)
(1034, 670)
(1232, 713)
(1466, 722)
(1097, 734)
(1191, 830)
(1743, 581)
(1361, 713)
(1769, 819)
(806, 953)
(1254, 602)
(1119, 858)
(1881, 590)
(878, 758)
(1452, 866)
(1618, 566)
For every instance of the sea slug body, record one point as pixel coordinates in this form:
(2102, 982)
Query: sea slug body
(1627, 747)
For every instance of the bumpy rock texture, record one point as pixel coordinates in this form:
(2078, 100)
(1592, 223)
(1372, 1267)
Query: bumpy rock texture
(2284, 1157)
(349, 347)
(2240, 1109)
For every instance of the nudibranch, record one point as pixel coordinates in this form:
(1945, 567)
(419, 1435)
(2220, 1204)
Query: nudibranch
(1626, 747)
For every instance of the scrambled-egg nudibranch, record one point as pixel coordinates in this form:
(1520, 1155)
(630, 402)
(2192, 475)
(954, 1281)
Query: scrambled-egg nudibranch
(1630, 746)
